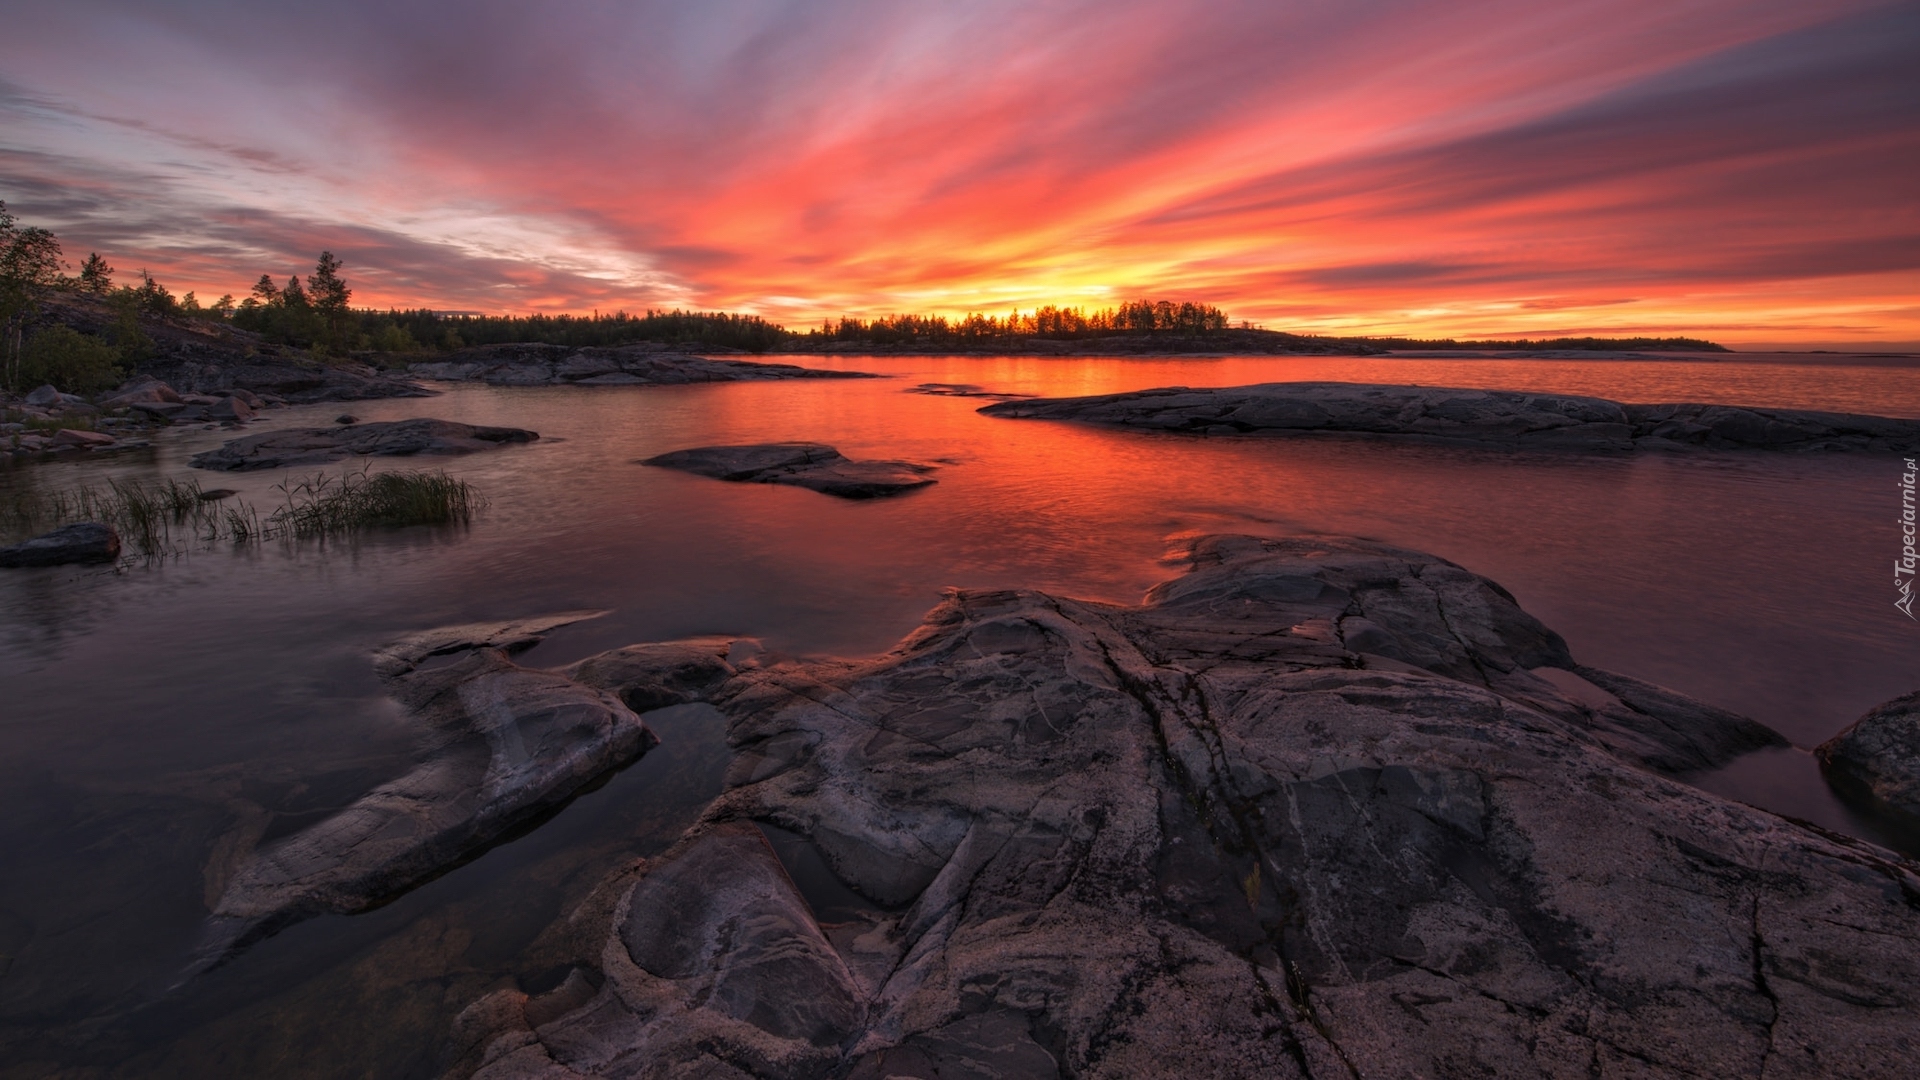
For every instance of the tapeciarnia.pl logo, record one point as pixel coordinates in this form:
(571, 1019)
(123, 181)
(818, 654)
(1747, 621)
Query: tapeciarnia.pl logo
(1903, 567)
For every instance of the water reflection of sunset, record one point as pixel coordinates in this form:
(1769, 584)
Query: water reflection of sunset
(1737, 171)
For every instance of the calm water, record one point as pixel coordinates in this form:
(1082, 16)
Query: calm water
(145, 715)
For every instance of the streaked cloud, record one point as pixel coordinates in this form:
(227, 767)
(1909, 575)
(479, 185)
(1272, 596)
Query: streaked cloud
(1393, 165)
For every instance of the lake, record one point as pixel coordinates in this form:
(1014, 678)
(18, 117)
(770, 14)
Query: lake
(152, 719)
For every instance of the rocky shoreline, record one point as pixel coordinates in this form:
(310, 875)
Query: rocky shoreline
(1500, 418)
(1316, 807)
(1229, 342)
(621, 365)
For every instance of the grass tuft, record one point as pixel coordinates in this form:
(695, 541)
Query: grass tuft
(148, 515)
(322, 506)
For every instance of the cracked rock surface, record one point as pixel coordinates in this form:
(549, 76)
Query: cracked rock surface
(319, 446)
(502, 744)
(1875, 764)
(1319, 807)
(815, 466)
(1484, 417)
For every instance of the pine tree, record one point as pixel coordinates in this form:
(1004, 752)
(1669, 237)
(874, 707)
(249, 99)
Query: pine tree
(328, 293)
(95, 275)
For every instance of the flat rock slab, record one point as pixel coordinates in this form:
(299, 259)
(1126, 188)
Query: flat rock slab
(1481, 417)
(1875, 764)
(1318, 807)
(85, 542)
(319, 446)
(502, 744)
(816, 466)
(627, 365)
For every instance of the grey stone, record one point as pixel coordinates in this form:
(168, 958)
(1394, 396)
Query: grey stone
(1206, 836)
(146, 391)
(43, 396)
(84, 542)
(232, 409)
(656, 676)
(715, 959)
(1875, 764)
(502, 744)
(815, 466)
(80, 437)
(1482, 417)
(318, 446)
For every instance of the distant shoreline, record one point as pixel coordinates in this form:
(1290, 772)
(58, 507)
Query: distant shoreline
(1230, 342)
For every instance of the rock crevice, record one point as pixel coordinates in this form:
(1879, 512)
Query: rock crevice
(1210, 835)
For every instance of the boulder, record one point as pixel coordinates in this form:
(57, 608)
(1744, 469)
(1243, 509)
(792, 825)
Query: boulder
(501, 745)
(149, 392)
(1875, 764)
(85, 542)
(1306, 811)
(1498, 418)
(320, 446)
(43, 396)
(815, 466)
(232, 410)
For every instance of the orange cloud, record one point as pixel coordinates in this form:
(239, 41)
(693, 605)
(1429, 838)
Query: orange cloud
(1735, 169)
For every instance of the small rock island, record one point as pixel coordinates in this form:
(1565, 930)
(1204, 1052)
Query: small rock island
(319, 446)
(1494, 418)
(815, 466)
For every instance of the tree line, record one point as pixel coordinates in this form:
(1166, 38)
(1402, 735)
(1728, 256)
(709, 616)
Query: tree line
(316, 314)
(1135, 317)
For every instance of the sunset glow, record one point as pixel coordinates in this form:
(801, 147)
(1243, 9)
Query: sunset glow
(1742, 171)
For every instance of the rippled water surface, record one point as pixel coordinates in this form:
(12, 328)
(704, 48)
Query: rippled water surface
(146, 716)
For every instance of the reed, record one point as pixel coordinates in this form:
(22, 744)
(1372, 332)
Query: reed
(149, 515)
(324, 506)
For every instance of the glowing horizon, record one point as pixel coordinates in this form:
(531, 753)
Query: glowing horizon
(1740, 171)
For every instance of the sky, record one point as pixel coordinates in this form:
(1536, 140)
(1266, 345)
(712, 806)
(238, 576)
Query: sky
(1747, 172)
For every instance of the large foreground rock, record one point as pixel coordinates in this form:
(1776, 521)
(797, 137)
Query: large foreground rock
(1319, 807)
(319, 446)
(815, 466)
(502, 744)
(1875, 764)
(1484, 417)
(621, 365)
(85, 542)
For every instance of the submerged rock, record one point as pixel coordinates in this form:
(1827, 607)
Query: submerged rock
(85, 542)
(620, 365)
(503, 745)
(935, 389)
(1875, 764)
(319, 446)
(1484, 417)
(1306, 811)
(816, 466)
